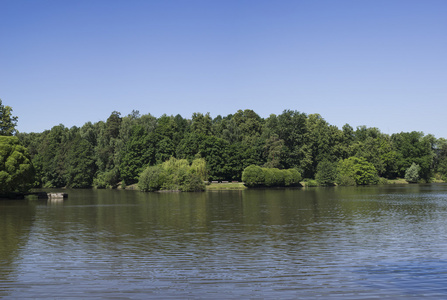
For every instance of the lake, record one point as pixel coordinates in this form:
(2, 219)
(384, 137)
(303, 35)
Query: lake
(330, 243)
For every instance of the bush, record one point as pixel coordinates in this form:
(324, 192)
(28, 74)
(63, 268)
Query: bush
(345, 180)
(107, 179)
(311, 183)
(253, 176)
(412, 173)
(16, 169)
(174, 174)
(356, 171)
(151, 179)
(383, 181)
(296, 177)
(193, 183)
(256, 176)
(269, 175)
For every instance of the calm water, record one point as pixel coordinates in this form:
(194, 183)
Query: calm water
(346, 243)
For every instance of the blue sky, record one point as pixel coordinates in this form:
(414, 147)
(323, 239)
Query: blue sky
(379, 63)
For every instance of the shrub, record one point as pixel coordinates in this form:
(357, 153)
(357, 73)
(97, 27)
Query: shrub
(256, 176)
(312, 183)
(269, 175)
(106, 179)
(192, 183)
(412, 173)
(356, 170)
(383, 181)
(253, 176)
(16, 169)
(326, 173)
(345, 180)
(151, 179)
(296, 177)
(174, 174)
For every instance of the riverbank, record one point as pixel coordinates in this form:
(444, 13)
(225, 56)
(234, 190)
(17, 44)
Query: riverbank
(214, 186)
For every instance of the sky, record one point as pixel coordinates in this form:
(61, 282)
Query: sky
(379, 63)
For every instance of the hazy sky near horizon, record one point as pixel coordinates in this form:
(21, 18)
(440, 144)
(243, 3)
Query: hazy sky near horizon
(379, 63)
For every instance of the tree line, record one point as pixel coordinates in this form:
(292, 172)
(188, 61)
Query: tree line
(117, 151)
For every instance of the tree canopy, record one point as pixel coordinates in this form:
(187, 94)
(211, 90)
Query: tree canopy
(8, 122)
(120, 149)
(16, 170)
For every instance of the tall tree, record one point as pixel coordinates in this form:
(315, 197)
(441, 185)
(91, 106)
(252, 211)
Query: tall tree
(16, 169)
(413, 147)
(8, 122)
(81, 165)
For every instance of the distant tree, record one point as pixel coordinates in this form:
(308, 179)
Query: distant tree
(441, 158)
(356, 171)
(201, 124)
(137, 154)
(414, 147)
(80, 162)
(16, 169)
(151, 179)
(326, 173)
(249, 125)
(8, 122)
(173, 174)
(50, 161)
(198, 166)
(113, 125)
(412, 173)
(254, 176)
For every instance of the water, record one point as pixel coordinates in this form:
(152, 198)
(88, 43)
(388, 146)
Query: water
(331, 243)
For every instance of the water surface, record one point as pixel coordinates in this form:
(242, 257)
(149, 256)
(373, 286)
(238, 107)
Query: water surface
(338, 243)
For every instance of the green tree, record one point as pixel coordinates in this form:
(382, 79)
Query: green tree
(152, 179)
(198, 166)
(412, 173)
(81, 166)
(201, 124)
(8, 122)
(291, 127)
(173, 174)
(138, 153)
(326, 173)
(357, 171)
(249, 125)
(50, 161)
(253, 176)
(414, 147)
(441, 158)
(16, 169)
(166, 138)
(320, 142)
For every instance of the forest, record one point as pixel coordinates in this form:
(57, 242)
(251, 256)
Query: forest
(115, 152)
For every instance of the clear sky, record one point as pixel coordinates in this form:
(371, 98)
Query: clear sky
(379, 63)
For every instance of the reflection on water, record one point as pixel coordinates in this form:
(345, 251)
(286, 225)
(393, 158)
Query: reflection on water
(372, 242)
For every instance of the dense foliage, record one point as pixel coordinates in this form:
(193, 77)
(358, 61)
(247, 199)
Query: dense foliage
(412, 173)
(356, 171)
(8, 122)
(174, 174)
(16, 170)
(255, 176)
(118, 150)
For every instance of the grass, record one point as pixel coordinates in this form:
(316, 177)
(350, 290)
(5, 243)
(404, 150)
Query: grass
(226, 186)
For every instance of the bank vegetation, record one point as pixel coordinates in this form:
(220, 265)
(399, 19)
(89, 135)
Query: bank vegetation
(134, 149)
